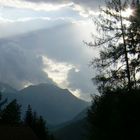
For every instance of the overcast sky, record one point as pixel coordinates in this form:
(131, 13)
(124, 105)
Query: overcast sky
(42, 41)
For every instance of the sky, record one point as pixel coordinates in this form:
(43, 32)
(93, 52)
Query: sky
(42, 41)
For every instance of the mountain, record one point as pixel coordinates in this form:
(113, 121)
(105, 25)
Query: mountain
(56, 105)
(64, 113)
(80, 116)
(8, 92)
(73, 131)
(6, 88)
(76, 129)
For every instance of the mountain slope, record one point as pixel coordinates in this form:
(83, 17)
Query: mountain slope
(55, 104)
(74, 131)
(6, 88)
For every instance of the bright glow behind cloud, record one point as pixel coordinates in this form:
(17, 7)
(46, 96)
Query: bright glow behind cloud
(25, 16)
(57, 71)
(84, 12)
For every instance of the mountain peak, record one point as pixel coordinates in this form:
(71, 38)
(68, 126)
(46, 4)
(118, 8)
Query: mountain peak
(55, 100)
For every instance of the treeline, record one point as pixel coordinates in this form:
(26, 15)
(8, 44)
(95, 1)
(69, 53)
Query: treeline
(10, 114)
(115, 116)
(115, 112)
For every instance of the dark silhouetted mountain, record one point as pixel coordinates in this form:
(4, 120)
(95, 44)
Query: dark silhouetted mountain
(55, 104)
(74, 131)
(6, 88)
(8, 92)
(81, 115)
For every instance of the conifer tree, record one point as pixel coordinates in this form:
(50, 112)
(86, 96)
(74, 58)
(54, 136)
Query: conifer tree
(37, 124)
(116, 64)
(115, 114)
(11, 114)
(28, 120)
(2, 103)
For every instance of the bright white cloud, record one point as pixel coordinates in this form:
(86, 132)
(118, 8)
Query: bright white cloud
(58, 71)
(33, 6)
(84, 12)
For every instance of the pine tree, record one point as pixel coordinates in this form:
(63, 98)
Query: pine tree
(115, 113)
(11, 114)
(37, 124)
(41, 130)
(115, 63)
(133, 41)
(28, 120)
(2, 103)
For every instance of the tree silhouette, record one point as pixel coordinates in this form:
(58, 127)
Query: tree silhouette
(28, 120)
(38, 124)
(115, 113)
(11, 114)
(118, 43)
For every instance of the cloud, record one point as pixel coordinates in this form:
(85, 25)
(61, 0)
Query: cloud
(60, 42)
(85, 8)
(65, 58)
(20, 67)
(68, 76)
(33, 5)
(24, 19)
(28, 24)
(92, 4)
(57, 71)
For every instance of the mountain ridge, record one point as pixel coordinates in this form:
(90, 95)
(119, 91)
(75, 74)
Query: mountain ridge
(55, 104)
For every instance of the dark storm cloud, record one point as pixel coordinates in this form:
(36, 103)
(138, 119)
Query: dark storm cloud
(18, 66)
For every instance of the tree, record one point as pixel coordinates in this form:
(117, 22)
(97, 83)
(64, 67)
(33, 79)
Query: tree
(38, 124)
(115, 113)
(2, 103)
(116, 64)
(133, 41)
(115, 116)
(11, 114)
(40, 129)
(29, 116)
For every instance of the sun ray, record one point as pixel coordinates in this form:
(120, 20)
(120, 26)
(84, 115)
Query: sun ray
(127, 12)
